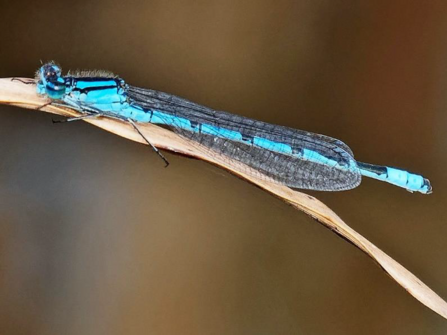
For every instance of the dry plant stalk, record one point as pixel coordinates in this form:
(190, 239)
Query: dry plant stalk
(18, 94)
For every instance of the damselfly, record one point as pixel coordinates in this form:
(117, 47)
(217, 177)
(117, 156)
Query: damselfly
(296, 158)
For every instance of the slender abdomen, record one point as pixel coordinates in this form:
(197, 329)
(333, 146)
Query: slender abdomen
(410, 181)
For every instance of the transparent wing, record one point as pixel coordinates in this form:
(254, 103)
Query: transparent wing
(315, 161)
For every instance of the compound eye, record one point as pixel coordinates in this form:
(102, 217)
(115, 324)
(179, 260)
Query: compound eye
(51, 82)
(56, 88)
(50, 72)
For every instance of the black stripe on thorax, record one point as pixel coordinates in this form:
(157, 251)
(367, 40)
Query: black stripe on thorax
(95, 88)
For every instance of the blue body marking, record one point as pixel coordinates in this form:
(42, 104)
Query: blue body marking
(401, 178)
(296, 158)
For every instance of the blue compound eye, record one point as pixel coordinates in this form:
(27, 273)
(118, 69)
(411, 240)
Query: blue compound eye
(51, 82)
(56, 89)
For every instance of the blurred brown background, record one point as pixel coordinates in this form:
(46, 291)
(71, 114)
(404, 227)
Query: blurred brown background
(96, 237)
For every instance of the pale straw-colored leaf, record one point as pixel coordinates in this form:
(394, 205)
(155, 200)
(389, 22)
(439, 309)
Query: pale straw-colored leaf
(19, 94)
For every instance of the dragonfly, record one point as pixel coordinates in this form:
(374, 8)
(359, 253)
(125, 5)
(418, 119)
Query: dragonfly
(296, 158)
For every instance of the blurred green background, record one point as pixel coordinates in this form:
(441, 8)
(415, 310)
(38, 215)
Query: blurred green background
(97, 237)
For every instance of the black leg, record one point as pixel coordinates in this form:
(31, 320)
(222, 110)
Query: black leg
(44, 105)
(26, 82)
(77, 118)
(148, 142)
